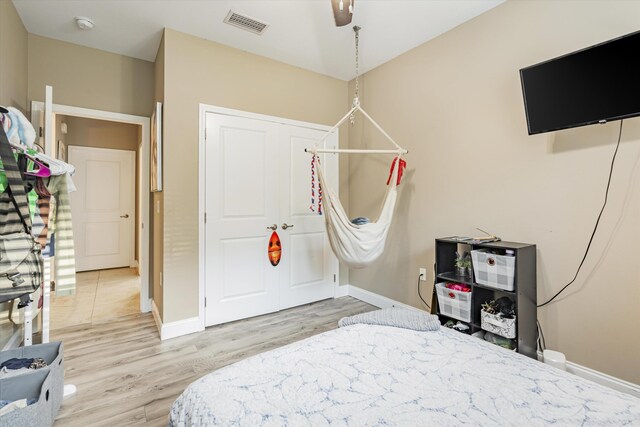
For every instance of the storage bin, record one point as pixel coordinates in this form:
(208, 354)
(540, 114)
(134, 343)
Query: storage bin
(454, 303)
(32, 385)
(496, 271)
(52, 353)
(498, 325)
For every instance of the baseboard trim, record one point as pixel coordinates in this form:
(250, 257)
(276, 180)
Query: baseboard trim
(177, 328)
(604, 379)
(156, 317)
(573, 368)
(180, 328)
(341, 291)
(375, 299)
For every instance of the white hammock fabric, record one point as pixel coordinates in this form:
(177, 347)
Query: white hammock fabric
(357, 246)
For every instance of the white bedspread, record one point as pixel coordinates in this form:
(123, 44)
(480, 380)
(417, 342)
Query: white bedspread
(366, 375)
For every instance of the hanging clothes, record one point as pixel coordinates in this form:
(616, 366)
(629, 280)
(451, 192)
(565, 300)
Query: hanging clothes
(60, 223)
(49, 203)
(40, 220)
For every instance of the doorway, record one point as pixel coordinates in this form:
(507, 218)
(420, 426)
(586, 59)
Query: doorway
(103, 207)
(95, 125)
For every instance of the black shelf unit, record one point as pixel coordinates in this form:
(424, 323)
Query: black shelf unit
(524, 292)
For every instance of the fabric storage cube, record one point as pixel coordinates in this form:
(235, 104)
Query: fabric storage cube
(33, 385)
(496, 271)
(455, 304)
(498, 325)
(52, 353)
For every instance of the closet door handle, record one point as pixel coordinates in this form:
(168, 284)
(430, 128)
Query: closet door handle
(274, 227)
(285, 226)
(124, 216)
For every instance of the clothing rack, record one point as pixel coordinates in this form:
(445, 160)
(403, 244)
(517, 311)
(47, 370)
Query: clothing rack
(26, 312)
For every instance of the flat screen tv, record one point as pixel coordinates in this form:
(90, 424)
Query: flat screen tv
(595, 85)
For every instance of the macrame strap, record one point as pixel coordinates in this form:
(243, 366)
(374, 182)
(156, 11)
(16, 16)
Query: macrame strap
(315, 161)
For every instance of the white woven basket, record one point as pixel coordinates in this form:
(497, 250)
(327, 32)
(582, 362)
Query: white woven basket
(496, 271)
(498, 325)
(453, 303)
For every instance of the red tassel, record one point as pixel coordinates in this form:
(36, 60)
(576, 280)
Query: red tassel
(403, 165)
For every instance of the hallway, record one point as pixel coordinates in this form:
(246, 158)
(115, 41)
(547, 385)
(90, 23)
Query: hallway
(100, 295)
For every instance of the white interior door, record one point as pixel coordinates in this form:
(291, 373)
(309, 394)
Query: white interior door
(103, 207)
(241, 193)
(309, 268)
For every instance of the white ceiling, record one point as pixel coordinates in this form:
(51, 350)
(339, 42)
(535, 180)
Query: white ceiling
(301, 32)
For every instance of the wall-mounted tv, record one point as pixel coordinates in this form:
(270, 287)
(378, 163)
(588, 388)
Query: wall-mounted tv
(595, 85)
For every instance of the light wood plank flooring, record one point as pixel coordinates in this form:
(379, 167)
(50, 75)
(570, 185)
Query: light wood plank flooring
(126, 376)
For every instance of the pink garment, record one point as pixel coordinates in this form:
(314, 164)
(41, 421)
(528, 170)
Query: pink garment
(458, 287)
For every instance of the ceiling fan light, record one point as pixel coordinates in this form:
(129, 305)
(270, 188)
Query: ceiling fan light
(341, 14)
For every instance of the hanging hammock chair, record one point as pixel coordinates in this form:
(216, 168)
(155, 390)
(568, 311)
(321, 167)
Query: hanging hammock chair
(355, 245)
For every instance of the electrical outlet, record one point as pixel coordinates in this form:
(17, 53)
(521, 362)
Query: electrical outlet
(423, 274)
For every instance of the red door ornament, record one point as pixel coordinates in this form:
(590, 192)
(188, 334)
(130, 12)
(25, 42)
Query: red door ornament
(275, 249)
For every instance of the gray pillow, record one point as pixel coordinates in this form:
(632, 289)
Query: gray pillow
(395, 316)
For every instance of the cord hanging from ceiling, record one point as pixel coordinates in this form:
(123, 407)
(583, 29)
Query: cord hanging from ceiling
(356, 98)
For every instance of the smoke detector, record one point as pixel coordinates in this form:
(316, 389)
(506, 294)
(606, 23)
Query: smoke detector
(245, 22)
(84, 23)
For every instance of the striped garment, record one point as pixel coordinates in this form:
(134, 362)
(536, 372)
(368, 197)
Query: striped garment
(60, 224)
(20, 259)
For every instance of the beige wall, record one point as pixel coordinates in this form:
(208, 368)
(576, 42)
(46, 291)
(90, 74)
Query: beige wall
(200, 71)
(58, 136)
(157, 222)
(101, 133)
(456, 104)
(13, 62)
(89, 78)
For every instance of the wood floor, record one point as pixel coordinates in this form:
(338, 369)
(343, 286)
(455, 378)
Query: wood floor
(126, 376)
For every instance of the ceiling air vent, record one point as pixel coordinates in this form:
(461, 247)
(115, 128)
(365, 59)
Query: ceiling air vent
(246, 23)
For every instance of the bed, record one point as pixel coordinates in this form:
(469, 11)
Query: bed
(364, 375)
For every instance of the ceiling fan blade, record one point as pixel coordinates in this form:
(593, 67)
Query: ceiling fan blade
(342, 17)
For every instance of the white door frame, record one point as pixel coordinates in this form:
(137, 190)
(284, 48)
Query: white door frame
(204, 109)
(143, 227)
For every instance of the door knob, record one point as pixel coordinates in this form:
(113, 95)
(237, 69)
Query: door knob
(274, 227)
(124, 216)
(285, 226)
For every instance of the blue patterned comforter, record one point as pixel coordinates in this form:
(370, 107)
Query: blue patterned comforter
(366, 375)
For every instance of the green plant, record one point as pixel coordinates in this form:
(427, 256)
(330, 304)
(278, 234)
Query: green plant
(463, 260)
(490, 307)
(503, 307)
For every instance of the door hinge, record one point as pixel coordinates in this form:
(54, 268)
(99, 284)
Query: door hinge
(334, 278)
(205, 301)
(205, 217)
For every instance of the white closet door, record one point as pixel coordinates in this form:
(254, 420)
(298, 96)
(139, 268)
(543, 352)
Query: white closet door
(308, 265)
(241, 191)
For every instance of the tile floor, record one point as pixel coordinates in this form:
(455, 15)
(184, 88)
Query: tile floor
(100, 295)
